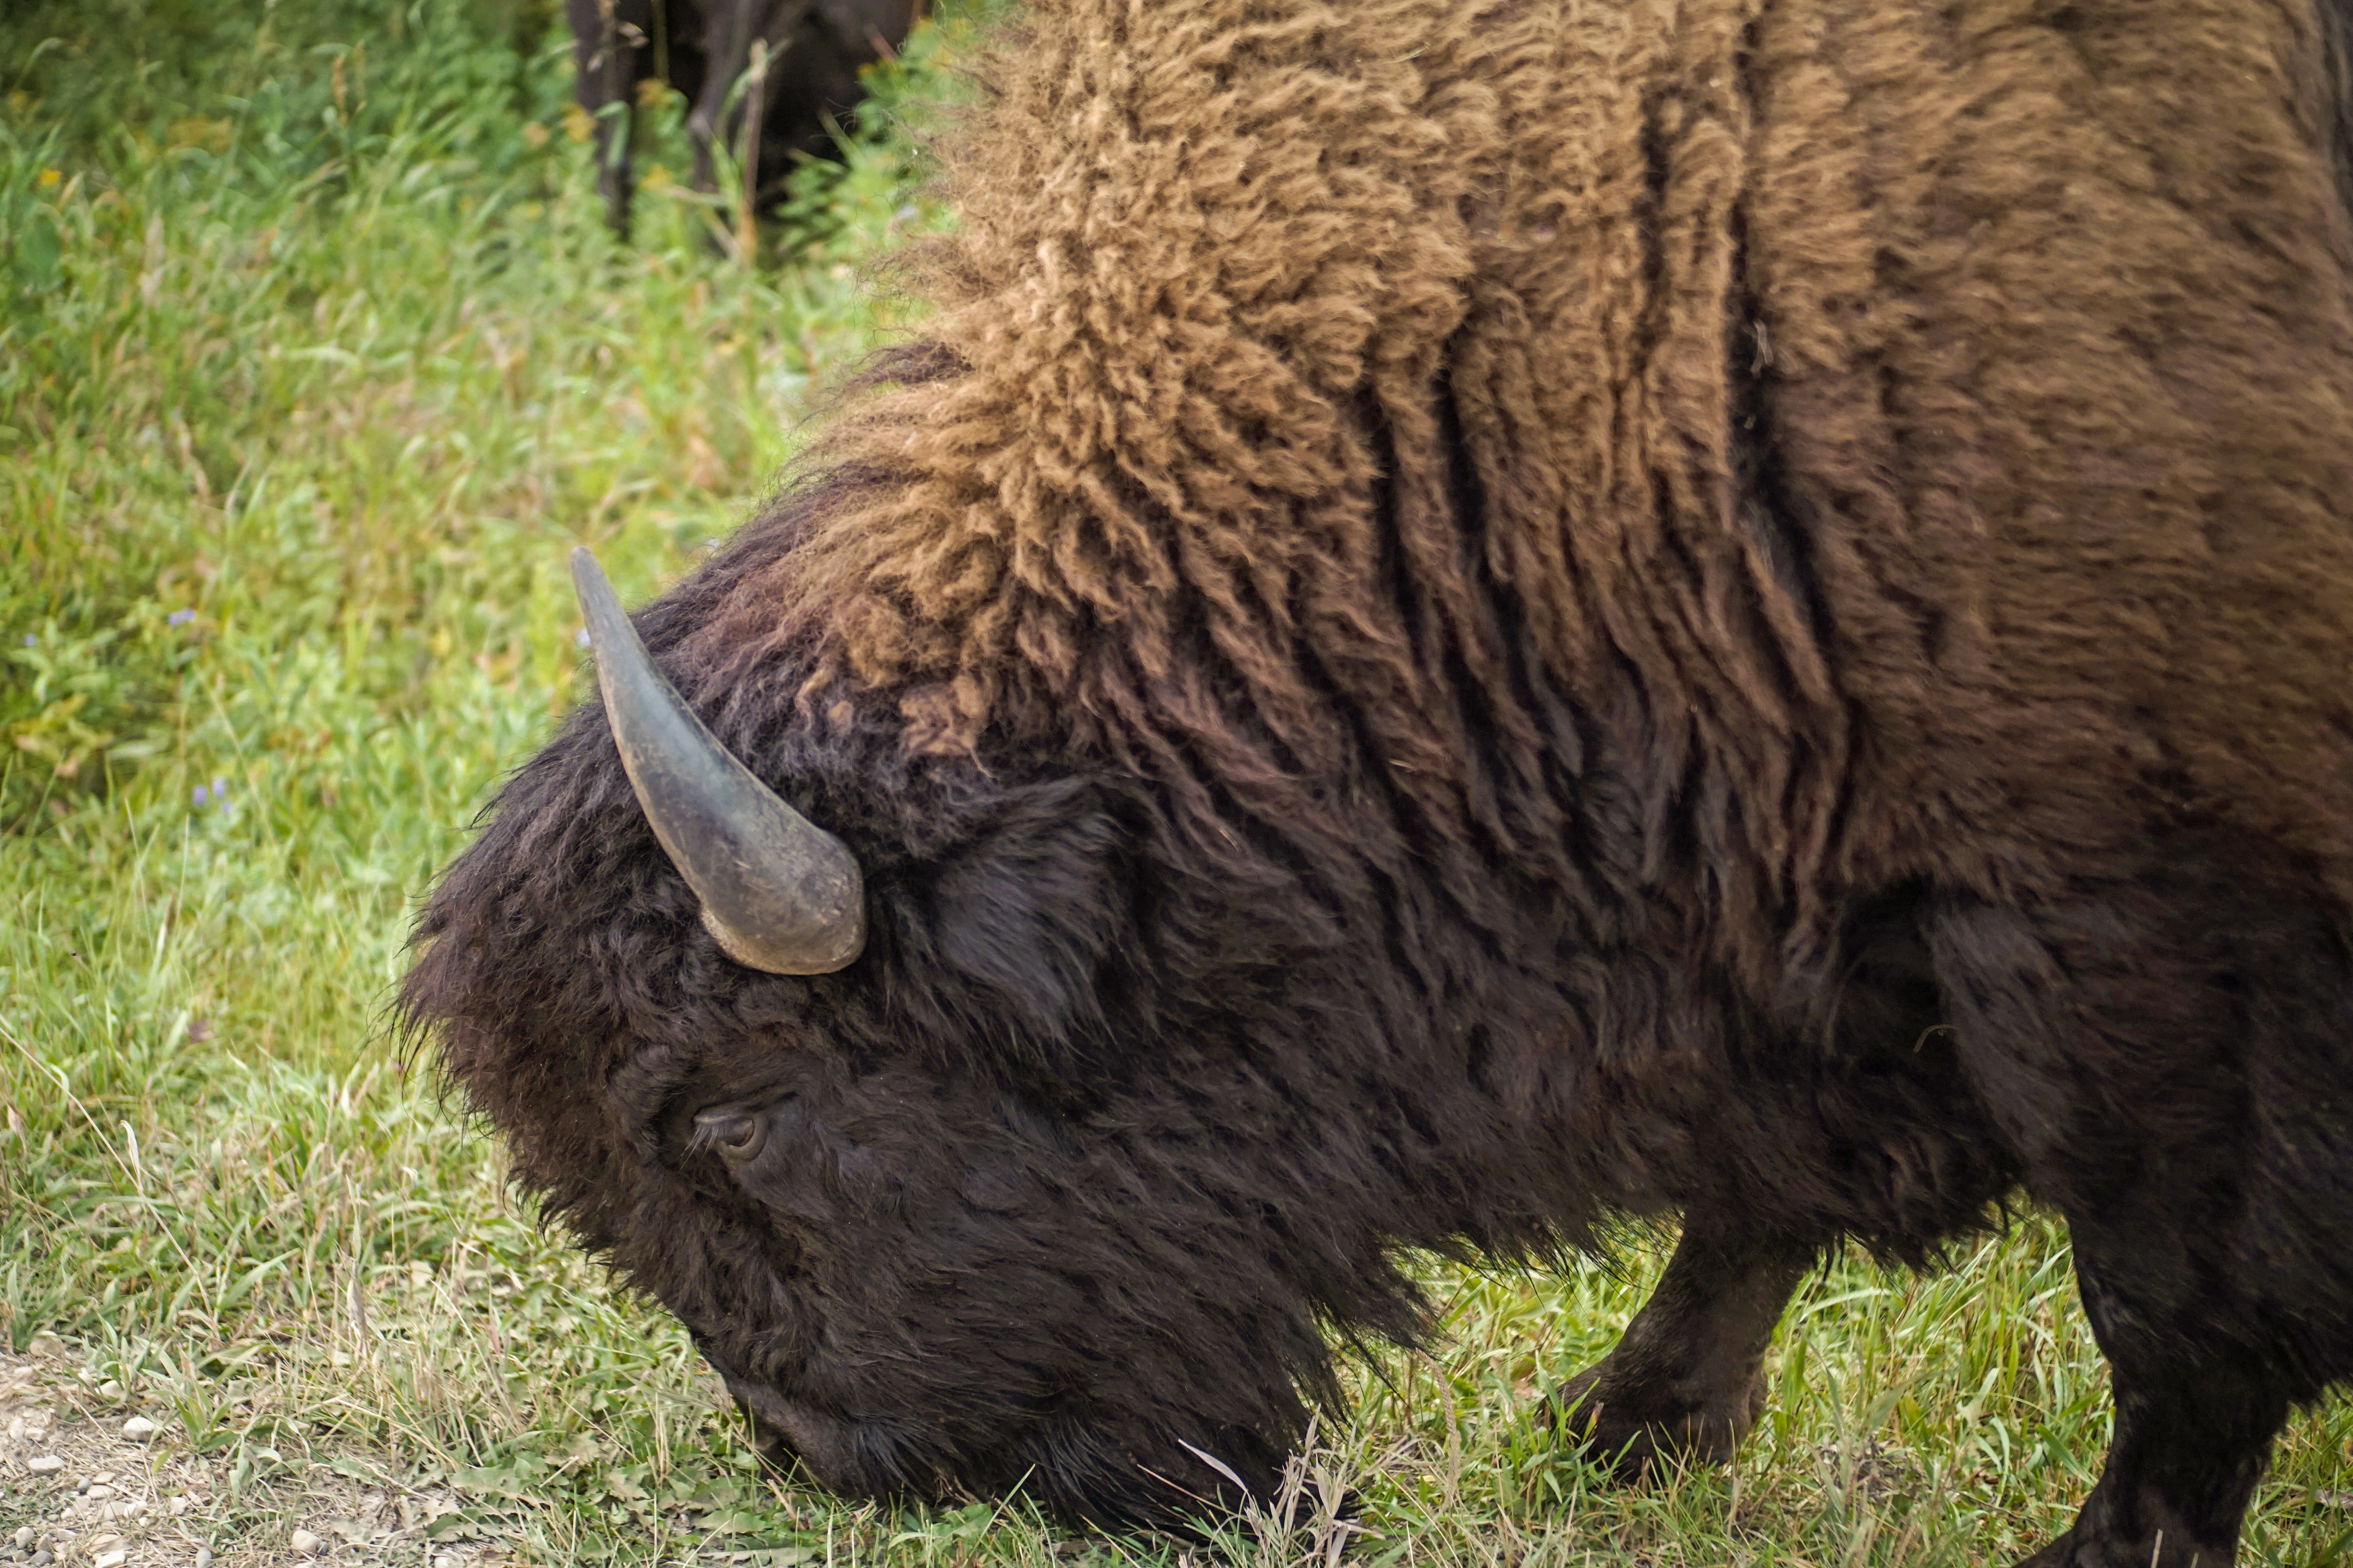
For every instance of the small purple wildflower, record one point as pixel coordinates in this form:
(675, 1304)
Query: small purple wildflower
(31, 641)
(581, 639)
(202, 795)
(220, 789)
(217, 795)
(180, 618)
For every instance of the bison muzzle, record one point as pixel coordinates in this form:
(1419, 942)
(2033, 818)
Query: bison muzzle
(1474, 617)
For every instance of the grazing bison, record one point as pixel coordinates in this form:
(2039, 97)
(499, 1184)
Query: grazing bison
(704, 49)
(1476, 617)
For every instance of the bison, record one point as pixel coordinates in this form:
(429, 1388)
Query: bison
(812, 50)
(1471, 618)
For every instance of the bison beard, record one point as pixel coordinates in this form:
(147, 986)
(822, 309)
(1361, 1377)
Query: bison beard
(1479, 617)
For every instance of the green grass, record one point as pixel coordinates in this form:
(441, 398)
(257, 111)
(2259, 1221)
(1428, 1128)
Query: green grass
(313, 362)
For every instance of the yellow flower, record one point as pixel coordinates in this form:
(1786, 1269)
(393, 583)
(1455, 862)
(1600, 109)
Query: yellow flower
(577, 122)
(48, 179)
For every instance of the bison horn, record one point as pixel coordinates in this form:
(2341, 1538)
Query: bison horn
(779, 893)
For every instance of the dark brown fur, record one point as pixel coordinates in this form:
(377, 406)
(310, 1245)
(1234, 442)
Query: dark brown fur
(1477, 616)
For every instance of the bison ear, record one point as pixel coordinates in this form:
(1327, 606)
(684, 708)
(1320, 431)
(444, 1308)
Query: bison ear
(1030, 905)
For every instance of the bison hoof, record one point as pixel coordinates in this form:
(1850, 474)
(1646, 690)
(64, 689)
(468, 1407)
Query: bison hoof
(1627, 1429)
(2080, 1548)
(2060, 1554)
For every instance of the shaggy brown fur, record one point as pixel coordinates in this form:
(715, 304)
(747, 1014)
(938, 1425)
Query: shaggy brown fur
(1474, 615)
(2042, 309)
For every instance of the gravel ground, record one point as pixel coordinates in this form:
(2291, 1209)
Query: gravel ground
(93, 1478)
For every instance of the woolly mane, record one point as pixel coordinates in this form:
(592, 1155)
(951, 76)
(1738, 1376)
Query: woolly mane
(1319, 394)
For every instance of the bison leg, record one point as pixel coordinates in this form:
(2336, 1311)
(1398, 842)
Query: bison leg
(607, 42)
(2166, 1057)
(2190, 1442)
(616, 176)
(1685, 1380)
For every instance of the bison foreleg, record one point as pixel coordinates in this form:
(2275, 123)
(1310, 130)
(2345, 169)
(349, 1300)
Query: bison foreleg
(1686, 1382)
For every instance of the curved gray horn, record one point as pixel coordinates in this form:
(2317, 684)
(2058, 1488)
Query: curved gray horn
(779, 893)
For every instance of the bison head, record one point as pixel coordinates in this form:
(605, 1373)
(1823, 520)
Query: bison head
(1050, 1167)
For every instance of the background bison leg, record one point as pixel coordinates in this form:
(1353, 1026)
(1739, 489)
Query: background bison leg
(609, 42)
(1685, 1380)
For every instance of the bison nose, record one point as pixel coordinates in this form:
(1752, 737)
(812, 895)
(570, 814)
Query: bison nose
(785, 1429)
(768, 1439)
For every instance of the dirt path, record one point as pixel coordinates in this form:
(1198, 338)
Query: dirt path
(95, 1478)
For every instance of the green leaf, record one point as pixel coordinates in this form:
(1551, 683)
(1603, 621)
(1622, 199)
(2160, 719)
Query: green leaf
(39, 249)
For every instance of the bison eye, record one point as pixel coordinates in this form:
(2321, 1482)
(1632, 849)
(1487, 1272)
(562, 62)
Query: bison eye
(736, 1134)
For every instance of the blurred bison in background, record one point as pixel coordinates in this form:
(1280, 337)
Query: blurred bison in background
(1473, 617)
(795, 61)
